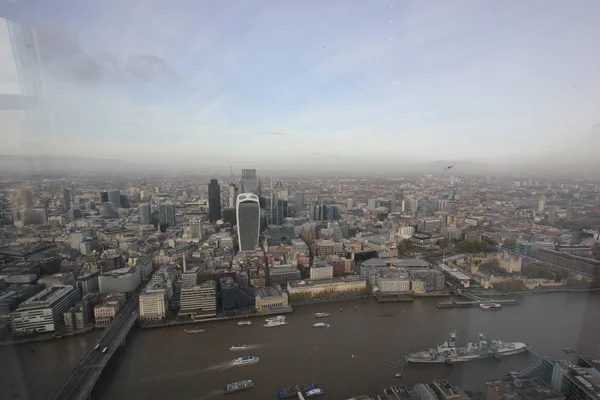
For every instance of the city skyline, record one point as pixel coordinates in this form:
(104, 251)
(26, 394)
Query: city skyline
(496, 88)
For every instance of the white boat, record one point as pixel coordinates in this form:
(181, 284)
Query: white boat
(247, 360)
(322, 314)
(490, 306)
(272, 324)
(237, 347)
(313, 392)
(321, 325)
(277, 318)
(244, 323)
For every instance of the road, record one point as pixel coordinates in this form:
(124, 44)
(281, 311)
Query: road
(83, 377)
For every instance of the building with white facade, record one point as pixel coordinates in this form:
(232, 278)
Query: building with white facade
(121, 280)
(321, 270)
(43, 312)
(393, 284)
(153, 302)
(106, 312)
(270, 297)
(327, 287)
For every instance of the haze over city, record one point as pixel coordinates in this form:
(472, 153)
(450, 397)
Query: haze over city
(358, 87)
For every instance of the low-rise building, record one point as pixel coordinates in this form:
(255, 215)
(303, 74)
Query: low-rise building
(43, 312)
(59, 279)
(105, 313)
(334, 287)
(270, 297)
(510, 263)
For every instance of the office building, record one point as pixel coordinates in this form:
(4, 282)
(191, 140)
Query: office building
(248, 221)
(214, 201)
(145, 214)
(324, 212)
(103, 197)
(321, 270)
(35, 216)
(26, 198)
(270, 297)
(300, 200)
(166, 214)
(114, 197)
(153, 302)
(281, 275)
(189, 277)
(78, 316)
(87, 282)
(106, 312)
(124, 201)
(232, 195)
(195, 229)
(199, 300)
(121, 280)
(66, 193)
(107, 210)
(43, 312)
(229, 216)
(249, 181)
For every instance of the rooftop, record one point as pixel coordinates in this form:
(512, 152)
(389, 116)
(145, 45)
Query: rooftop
(283, 269)
(267, 291)
(120, 271)
(519, 389)
(321, 282)
(47, 297)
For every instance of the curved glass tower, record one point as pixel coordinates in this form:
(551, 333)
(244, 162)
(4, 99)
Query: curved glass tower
(248, 220)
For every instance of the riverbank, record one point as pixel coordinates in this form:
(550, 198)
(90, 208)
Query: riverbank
(44, 338)
(329, 300)
(535, 291)
(249, 315)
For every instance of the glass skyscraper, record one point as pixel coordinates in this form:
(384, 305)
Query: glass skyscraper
(248, 221)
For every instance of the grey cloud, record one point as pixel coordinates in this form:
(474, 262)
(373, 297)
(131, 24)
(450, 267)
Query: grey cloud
(63, 57)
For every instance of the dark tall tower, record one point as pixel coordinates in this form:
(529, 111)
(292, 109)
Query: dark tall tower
(103, 197)
(67, 199)
(214, 201)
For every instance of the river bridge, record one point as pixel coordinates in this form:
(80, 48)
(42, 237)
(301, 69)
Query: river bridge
(79, 383)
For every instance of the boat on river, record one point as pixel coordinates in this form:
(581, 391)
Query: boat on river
(449, 353)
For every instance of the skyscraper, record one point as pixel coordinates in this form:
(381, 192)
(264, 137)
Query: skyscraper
(249, 181)
(145, 216)
(26, 198)
(248, 221)
(299, 200)
(214, 201)
(67, 199)
(232, 195)
(103, 197)
(166, 214)
(114, 197)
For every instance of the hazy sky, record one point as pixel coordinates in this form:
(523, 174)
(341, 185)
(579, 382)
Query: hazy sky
(327, 84)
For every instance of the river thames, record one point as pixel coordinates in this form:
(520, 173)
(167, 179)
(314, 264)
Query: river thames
(178, 366)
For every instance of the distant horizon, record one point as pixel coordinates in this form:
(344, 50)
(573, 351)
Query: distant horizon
(77, 166)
